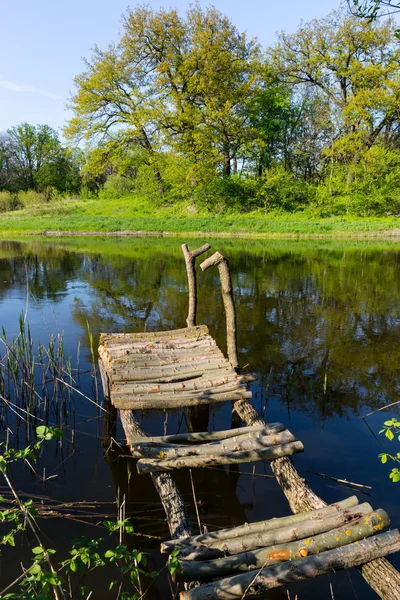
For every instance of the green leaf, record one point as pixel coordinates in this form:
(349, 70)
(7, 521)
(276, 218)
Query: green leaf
(35, 569)
(389, 434)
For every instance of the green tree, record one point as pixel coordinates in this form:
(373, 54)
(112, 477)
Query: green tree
(371, 9)
(355, 65)
(171, 83)
(33, 158)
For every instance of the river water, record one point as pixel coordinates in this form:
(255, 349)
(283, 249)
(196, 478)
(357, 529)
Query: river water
(319, 325)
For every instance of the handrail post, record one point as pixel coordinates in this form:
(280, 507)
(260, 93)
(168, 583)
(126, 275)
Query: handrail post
(222, 263)
(190, 258)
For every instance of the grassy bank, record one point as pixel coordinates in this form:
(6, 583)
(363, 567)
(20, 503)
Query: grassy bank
(135, 214)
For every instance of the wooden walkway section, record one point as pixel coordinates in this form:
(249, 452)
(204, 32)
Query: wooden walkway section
(169, 369)
(184, 368)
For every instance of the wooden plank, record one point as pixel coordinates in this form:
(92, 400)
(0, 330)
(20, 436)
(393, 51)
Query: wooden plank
(256, 583)
(150, 335)
(237, 444)
(206, 436)
(256, 527)
(153, 402)
(151, 465)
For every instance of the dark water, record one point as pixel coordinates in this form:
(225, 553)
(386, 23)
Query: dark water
(319, 323)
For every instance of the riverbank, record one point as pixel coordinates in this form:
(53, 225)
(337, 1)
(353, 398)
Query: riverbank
(133, 216)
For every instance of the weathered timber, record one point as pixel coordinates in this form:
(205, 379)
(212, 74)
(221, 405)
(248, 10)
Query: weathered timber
(190, 258)
(184, 332)
(150, 370)
(201, 383)
(175, 510)
(255, 584)
(250, 528)
(243, 444)
(380, 574)
(226, 286)
(290, 533)
(213, 443)
(152, 402)
(263, 557)
(149, 465)
(205, 436)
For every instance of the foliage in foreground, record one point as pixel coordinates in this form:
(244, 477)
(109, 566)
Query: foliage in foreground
(46, 579)
(391, 429)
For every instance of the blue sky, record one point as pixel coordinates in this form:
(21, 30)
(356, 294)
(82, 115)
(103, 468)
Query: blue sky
(42, 43)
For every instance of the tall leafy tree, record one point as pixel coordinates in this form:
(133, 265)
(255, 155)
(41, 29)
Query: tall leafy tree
(355, 65)
(174, 82)
(33, 158)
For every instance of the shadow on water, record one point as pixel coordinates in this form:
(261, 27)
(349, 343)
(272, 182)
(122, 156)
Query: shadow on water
(318, 323)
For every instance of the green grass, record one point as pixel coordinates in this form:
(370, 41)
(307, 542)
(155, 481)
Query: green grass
(133, 214)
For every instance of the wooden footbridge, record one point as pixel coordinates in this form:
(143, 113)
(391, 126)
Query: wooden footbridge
(185, 368)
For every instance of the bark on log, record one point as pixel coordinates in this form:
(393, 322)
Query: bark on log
(175, 510)
(190, 258)
(243, 444)
(290, 533)
(205, 436)
(150, 465)
(198, 570)
(380, 574)
(227, 297)
(186, 332)
(255, 584)
(202, 383)
(149, 369)
(152, 402)
(250, 528)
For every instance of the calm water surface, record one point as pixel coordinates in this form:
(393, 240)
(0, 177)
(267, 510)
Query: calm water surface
(318, 323)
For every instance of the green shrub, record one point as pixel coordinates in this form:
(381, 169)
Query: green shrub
(281, 190)
(33, 198)
(9, 201)
(370, 186)
(117, 186)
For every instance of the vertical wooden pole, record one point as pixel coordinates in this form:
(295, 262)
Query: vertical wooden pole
(221, 262)
(190, 258)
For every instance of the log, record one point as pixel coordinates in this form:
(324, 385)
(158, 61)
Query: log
(255, 584)
(380, 574)
(241, 444)
(202, 382)
(205, 436)
(149, 465)
(290, 533)
(154, 402)
(227, 296)
(198, 570)
(134, 370)
(144, 445)
(175, 510)
(190, 258)
(152, 335)
(250, 528)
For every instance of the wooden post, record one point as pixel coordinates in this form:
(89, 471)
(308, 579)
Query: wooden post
(221, 262)
(190, 258)
(178, 520)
